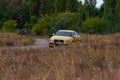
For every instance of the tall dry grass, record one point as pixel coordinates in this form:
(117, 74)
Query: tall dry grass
(12, 39)
(88, 62)
(102, 40)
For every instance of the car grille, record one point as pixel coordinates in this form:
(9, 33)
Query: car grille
(58, 42)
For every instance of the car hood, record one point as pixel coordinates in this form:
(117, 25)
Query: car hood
(61, 38)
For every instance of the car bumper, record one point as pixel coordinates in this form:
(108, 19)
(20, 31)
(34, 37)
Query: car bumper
(53, 44)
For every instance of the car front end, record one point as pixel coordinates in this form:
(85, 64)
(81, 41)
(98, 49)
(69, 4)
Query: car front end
(63, 37)
(59, 40)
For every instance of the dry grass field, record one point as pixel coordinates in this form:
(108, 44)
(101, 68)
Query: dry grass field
(12, 39)
(97, 59)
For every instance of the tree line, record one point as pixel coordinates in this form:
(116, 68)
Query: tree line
(42, 17)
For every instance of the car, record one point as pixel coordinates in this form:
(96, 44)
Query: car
(64, 37)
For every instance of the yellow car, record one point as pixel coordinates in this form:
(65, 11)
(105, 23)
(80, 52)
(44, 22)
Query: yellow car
(64, 37)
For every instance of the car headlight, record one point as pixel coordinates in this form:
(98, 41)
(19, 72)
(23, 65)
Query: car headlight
(51, 41)
(67, 40)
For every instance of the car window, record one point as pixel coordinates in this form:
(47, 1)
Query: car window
(62, 33)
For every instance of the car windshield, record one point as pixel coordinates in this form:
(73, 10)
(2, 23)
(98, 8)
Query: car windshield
(63, 33)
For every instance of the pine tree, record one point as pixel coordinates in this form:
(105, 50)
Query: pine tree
(109, 9)
(89, 8)
(117, 10)
(101, 11)
(117, 16)
(92, 7)
(72, 5)
(80, 7)
(86, 9)
(45, 7)
(81, 14)
(60, 5)
(36, 10)
(23, 17)
(109, 14)
(52, 6)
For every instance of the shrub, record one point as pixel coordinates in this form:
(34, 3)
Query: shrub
(9, 26)
(52, 23)
(33, 20)
(95, 25)
(40, 28)
(28, 25)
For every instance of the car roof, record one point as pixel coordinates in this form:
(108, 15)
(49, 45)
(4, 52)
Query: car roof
(67, 30)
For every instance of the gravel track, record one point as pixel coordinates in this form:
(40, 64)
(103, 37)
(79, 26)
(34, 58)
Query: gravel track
(41, 43)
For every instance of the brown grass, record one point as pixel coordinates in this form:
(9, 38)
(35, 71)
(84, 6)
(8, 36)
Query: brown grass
(88, 62)
(12, 39)
(111, 40)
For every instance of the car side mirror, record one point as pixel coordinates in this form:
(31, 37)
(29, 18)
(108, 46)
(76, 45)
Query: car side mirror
(74, 36)
(53, 34)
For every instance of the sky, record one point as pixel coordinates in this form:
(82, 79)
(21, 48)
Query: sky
(99, 2)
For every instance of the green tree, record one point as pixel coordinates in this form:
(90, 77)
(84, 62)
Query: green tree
(81, 13)
(2, 4)
(52, 6)
(13, 9)
(60, 5)
(117, 17)
(51, 23)
(45, 7)
(60, 24)
(24, 16)
(117, 10)
(109, 9)
(72, 5)
(10, 8)
(80, 7)
(86, 9)
(28, 25)
(41, 28)
(92, 10)
(95, 25)
(33, 6)
(9, 26)
(109, 13)
(89, 8)
(101, 11)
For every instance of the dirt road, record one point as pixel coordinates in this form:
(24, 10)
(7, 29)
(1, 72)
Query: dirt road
(41, 43)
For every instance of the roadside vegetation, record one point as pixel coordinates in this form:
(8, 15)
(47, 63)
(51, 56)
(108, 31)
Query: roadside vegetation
(97, 59)
(42, 17)
(13, 39)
